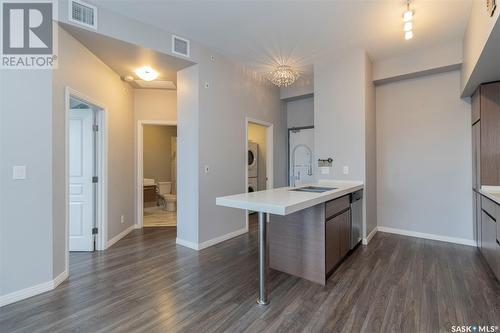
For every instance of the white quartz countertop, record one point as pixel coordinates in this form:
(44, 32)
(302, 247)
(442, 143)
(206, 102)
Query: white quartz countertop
(282, 201)
(491, 192)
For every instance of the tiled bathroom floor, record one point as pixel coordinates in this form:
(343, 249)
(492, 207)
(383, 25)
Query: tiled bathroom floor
(158, 217)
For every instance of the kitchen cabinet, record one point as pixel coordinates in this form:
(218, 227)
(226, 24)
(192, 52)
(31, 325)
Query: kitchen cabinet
(337, 239)
(476, 212)
(312, 242)
(476, 156)
(485, 118)
(486, 135)
(490, 246)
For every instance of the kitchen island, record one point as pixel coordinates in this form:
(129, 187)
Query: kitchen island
(299, 219)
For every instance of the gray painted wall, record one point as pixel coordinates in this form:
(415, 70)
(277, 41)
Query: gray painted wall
(117, 96)
(188, 153)
(339, 114)
(234, 93)
(370, 193)
(344, 123)
(424, 156)
(157, 152)
(26, 205)
(300, 112)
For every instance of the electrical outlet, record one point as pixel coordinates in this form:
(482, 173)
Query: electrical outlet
(122, 219)
(345, 169)
(207, 168)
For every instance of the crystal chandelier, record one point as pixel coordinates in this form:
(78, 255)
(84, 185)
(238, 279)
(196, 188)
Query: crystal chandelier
(283, 76)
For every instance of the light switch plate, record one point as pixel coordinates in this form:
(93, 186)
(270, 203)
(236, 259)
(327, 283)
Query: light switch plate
(345, 169)
(19, 172)
(207, 168)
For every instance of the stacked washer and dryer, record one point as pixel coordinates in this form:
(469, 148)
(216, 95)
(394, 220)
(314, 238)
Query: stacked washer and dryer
(253, 162)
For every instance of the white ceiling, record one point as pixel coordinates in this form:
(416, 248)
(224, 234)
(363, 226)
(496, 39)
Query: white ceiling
(260, 33)
(124, 58)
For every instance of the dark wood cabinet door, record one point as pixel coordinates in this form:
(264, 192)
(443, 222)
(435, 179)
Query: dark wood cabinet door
(490, 134)
(332, 243)
(489, 245)
(476, 106)
(477, 217)
(345, 233)
(337, 239)
(476, 156)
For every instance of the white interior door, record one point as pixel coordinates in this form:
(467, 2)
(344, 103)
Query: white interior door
(301, 162)
(81, 162)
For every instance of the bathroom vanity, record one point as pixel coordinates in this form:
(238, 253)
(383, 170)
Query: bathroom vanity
(309, 228)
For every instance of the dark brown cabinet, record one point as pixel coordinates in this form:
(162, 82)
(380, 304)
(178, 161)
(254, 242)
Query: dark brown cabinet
(486, 135)
(344, 233)
(489, 245)
(332, 243)
(485, 106)
(312, 242)
(337, 239)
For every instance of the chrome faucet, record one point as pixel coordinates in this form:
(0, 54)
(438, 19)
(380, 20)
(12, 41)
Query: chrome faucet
(309, 170)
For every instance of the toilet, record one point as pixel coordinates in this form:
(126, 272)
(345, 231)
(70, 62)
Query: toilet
(169, 199)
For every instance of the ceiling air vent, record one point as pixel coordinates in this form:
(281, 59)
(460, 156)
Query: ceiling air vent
(83, 14)
(180, 46)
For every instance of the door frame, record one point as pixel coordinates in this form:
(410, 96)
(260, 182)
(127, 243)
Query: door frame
(288, 149)
(139, 219)
(102, 166)
(269, 155)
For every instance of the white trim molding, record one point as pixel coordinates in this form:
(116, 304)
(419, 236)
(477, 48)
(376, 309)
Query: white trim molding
(139, 167)
(120, 236)
(211, 242)
(410, 233)
(370, 236)
(38, 289)
(269, 156)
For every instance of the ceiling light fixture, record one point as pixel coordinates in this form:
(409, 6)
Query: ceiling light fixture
(146, 73)
(283, 76)
(408, 18)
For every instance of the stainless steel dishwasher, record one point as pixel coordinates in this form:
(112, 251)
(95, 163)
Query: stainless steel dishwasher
(356, 217)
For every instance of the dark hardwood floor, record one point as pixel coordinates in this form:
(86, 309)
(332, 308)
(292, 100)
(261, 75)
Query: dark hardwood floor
(146, 283)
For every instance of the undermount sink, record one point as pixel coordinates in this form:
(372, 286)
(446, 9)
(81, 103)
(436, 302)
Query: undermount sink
(314, 189)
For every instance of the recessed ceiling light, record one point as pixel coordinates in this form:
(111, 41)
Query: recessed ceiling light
(129, 78)
(408, 35)
(146, 73)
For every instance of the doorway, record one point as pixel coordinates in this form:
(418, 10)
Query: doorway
(157, 174)
(300, 155)
(85, 174)
(259, 156)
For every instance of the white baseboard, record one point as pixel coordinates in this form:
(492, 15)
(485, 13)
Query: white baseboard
(120, 236)
(213, 241)
(186, 243)
(370, 236)
(60, 279)
(19, 295)
(447, 239)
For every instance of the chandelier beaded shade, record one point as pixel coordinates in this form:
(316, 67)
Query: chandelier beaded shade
(283, 76)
